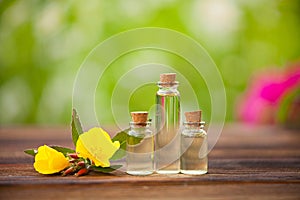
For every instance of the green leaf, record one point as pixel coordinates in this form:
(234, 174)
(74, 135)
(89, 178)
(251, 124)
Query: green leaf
(31, 152)
(76, 126)
(121, 137)
(132, 140)
(120, 153)
(124, 138)
(105, 169)
(63, 150)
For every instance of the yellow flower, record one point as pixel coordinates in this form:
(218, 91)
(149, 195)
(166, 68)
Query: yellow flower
(49, 161)
(97, 146)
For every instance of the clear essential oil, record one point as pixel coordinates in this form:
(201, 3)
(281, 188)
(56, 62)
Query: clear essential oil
(194, 160)
(140, 146)
(167, 120)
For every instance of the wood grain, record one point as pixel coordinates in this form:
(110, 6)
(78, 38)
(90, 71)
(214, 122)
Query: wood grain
(247, 162)
(160, 192)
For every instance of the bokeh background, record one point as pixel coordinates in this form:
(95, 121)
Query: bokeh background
(43, 43)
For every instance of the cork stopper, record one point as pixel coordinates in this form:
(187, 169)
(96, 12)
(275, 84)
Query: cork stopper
(139, 116)
(168, 77)
(194, 116)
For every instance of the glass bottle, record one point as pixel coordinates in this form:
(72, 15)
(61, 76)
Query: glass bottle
(140, 145)
(193, 158)
(167, 121)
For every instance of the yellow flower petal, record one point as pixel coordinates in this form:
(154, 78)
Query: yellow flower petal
(85, 154)
(97, 146)
(49, 161)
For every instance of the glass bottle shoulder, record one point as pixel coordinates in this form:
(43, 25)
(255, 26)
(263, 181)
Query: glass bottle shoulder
(163, 92)
(140, 132)
(168, 90)
(194, 132)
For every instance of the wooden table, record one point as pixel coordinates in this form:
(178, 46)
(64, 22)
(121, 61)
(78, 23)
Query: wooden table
(251, 163)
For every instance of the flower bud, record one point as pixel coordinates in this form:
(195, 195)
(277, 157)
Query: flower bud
(73, 155)
(81, 163)
(68, 171)
(81, 172)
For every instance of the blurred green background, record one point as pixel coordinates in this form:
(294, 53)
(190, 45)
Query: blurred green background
(43, 43)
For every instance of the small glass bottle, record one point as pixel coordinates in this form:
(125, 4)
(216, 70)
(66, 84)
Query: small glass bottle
(140, 145)
(193, 145)
(167, 121)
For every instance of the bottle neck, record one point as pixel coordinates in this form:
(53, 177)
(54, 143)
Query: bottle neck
(168, 88)
(193, 129)
(194, 125)
(139, 125)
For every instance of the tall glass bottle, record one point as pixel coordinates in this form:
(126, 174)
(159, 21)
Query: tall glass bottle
(140, 145)
(193, 158)
(167, 120)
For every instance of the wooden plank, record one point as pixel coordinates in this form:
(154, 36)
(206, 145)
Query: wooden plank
(160, 192)
(220, 171)
(239, 142)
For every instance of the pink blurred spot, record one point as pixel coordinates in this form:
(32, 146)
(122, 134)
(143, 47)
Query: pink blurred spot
(261, 99)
